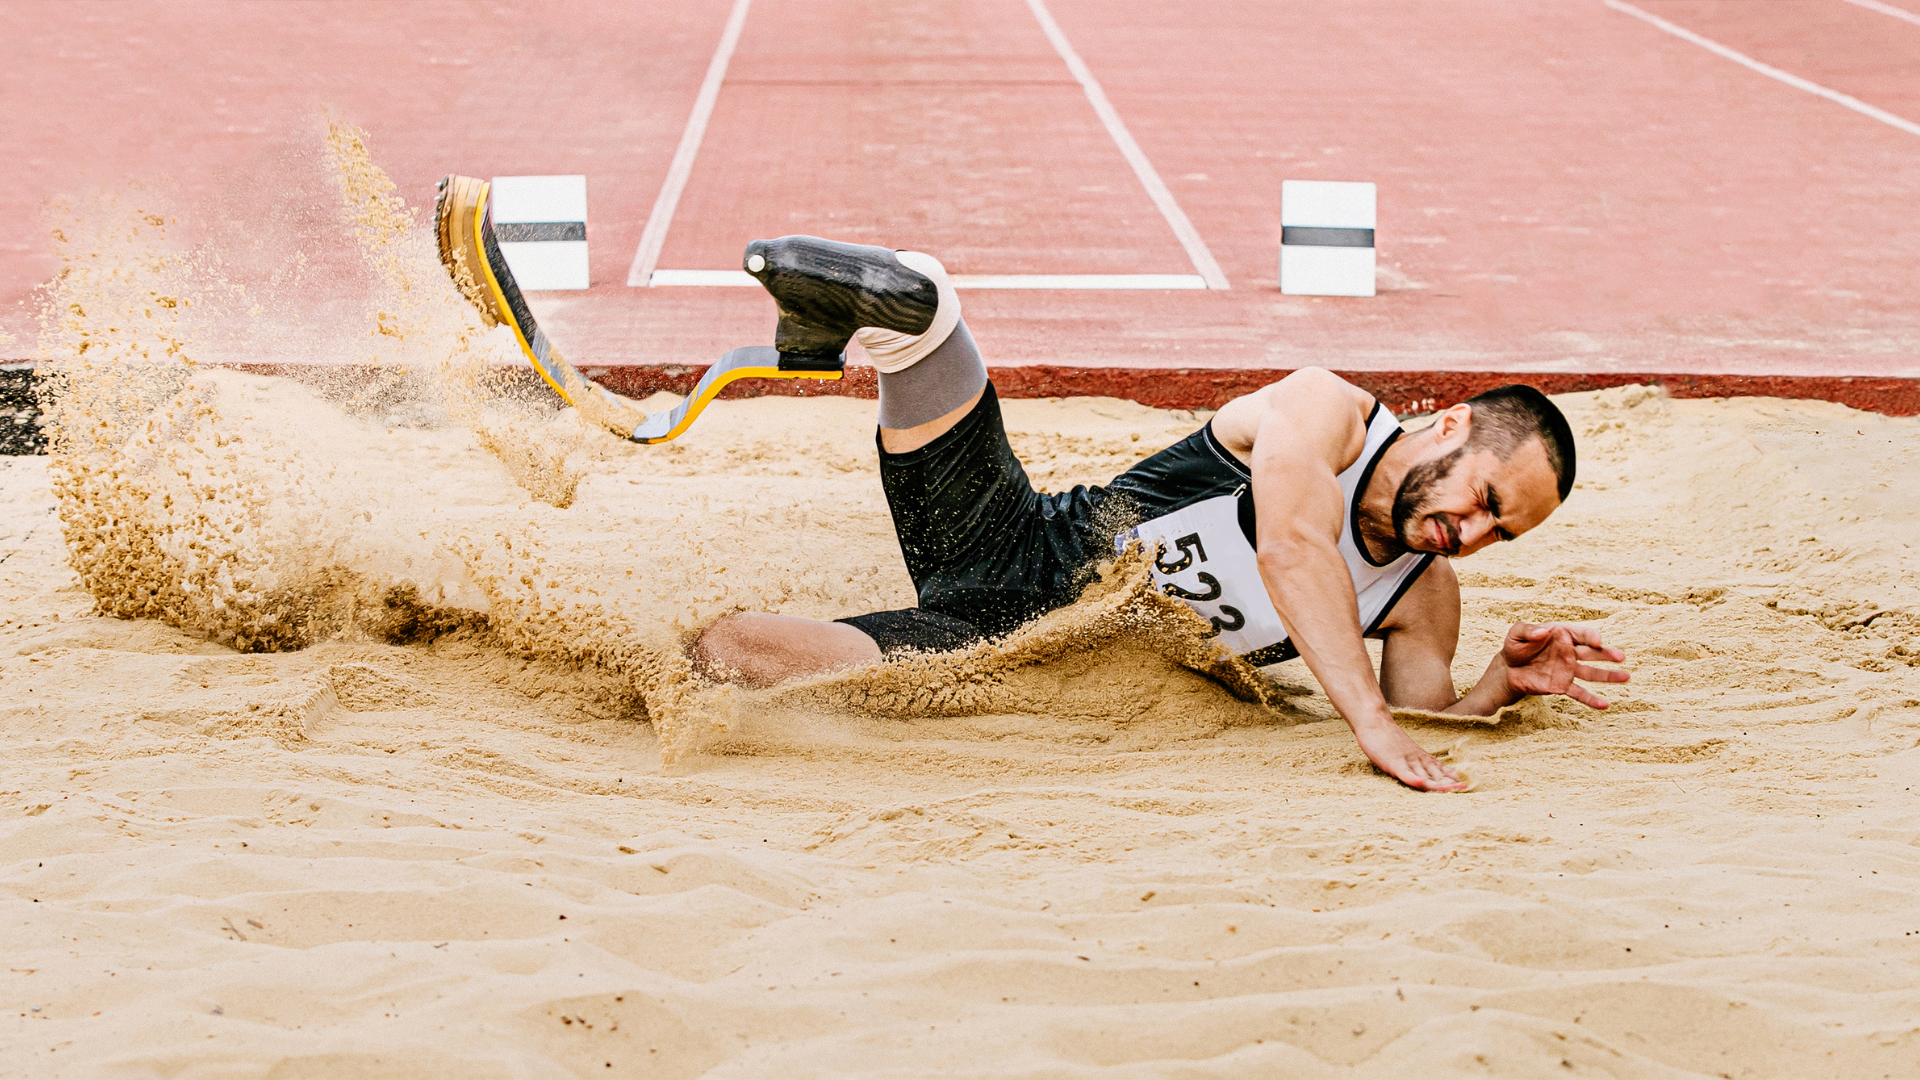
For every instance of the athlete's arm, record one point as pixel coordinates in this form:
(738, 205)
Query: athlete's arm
(1304, 430)
(1422, 632)
(1416, 663)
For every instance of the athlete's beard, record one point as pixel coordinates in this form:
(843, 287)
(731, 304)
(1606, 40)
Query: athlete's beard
(1416, 494)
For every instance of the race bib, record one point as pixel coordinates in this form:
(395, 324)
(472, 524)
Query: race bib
(1199, 554)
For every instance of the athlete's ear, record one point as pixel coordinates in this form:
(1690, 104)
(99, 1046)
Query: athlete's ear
(1454, 426)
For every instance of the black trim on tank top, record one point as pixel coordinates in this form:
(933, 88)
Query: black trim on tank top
(1225, 455)
(1360, 492)
(1405, 584)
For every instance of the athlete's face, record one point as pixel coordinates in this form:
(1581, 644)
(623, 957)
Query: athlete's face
(1462, 499)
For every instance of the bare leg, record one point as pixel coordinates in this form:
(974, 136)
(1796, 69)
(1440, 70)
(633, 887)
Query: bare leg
(919, 402)
(755, 648)
(758, 649)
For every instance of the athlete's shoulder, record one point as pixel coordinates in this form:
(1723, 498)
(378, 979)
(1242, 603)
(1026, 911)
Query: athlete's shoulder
(1317, 384)
(1310, 388)
(1309, 394)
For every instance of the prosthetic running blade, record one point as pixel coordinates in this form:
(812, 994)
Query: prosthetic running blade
(467, 246)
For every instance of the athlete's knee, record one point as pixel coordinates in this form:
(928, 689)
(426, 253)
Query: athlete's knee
(725, 649)
(755, 648)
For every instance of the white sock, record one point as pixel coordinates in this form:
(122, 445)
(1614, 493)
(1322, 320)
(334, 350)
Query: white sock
(893, 351)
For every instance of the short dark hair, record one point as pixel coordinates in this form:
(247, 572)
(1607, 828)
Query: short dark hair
(1507, 416)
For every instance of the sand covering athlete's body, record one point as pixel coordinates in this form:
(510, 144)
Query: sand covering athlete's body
(1299, 520)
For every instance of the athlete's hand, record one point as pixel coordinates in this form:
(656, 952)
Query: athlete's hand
(1546, 658)
(1388, 745)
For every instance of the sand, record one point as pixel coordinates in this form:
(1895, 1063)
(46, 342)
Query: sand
(294, 677)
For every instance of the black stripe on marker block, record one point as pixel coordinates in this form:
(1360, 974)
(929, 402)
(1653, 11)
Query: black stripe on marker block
(533, 232)
(1313, 236)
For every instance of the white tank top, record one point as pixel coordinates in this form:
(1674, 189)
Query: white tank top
(1204, 554)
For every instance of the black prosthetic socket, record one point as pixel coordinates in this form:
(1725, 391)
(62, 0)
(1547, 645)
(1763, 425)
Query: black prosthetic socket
(826, 290)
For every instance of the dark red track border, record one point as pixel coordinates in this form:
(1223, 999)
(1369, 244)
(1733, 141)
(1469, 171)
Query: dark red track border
(1406, 392)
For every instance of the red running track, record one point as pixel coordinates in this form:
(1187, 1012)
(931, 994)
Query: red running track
(1567, 193)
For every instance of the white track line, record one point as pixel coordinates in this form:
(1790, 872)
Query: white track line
(1768, 70)
(1887, 9)
(1189, 237)
(1079, 281)
(655, 235)
(742, 279)
(710, 279)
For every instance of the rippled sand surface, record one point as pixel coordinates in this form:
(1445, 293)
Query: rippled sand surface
(446, 857)
(347, 731)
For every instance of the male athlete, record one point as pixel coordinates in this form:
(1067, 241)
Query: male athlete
(1298, 521)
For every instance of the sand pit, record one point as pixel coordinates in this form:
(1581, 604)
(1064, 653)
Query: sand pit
(399, 674)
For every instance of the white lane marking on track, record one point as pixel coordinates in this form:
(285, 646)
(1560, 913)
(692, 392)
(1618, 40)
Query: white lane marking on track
(710, 279)
(742, 279)
(1768, 70)
(654, 237)
(1079, 281)
(1189, 237)
(1887, 9)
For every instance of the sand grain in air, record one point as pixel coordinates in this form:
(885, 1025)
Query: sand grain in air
(337, 744)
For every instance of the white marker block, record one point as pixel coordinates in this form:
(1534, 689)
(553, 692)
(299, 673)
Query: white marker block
(541, 223)
(1326, 238)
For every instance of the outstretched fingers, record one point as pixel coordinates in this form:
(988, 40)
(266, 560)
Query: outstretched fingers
(1395, 753)
(1585, 696)
(1585, 639)
(1600, 674)
(1425, 772)
(1581, 635)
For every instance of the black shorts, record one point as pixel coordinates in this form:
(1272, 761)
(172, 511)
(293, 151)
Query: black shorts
(986, 552)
